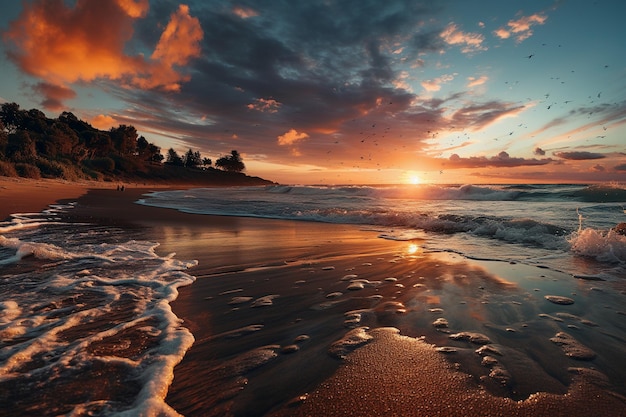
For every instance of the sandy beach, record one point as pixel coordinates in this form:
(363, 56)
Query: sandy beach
(306, 319)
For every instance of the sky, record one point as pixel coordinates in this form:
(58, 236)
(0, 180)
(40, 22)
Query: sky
(339, 91)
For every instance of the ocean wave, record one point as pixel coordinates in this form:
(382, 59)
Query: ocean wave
(412, 192)
(601, 193)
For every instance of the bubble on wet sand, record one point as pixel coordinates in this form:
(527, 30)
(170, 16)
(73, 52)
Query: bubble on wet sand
(488, 350)
(472, 337)
(334, 294)
(301, 338)
(394, 307)
(435, 310)
(359, 284)
(547, 316)
(355, 286)
(265, 301)
(500, 374)
(557, 299)
(348, 277)
(290, 348)
(239, 300)
(592, 375)
(352, 340)
(440, 323)
(236, 290)
(572, 347)
(242, 331)
(446, 349)
(391, 279)
(352, 318)
(578, 318)
(294, 402)
(326, 305)
(489, 361)
(249, 360)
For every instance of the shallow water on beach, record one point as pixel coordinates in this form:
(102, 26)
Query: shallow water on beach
(85, 322)
(279, 309)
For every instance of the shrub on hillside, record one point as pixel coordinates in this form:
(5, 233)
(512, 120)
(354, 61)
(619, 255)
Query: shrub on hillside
(7, 169)
(100, 164)
(49, 169)
(27, 171)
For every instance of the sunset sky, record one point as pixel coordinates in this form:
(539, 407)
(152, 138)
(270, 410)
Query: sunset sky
(339, 91)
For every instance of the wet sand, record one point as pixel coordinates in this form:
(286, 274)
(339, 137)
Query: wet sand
(296, 318)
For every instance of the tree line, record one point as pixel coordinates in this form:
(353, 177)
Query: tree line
(35, 146)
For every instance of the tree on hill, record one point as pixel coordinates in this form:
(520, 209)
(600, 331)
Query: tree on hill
(231, 163)
(192, 159)
(173, 158)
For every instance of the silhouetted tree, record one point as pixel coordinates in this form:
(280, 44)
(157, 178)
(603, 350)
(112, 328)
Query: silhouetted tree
(124, 139)
(232, 163)
(206, 162)
(192, 159)
(173, 158)
(11, 116)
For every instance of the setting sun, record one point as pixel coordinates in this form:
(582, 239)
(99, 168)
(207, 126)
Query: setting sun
(414, 179)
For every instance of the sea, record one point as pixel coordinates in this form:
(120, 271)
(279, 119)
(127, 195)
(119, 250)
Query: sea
(80, 300)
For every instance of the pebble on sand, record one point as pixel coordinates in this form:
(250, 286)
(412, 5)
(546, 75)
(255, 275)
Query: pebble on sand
(557, 299)
(266, 301)
(477, 338)
(440, 322)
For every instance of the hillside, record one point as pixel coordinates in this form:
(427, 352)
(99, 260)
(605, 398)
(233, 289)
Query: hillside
(35, 146)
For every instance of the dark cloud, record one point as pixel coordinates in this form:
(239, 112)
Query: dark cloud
(539, 151)
(501, 160)
(579, 155)
(328, 68)
(53, 95)
(598, 168)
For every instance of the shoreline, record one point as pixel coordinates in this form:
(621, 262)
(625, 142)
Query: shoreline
(302, 263)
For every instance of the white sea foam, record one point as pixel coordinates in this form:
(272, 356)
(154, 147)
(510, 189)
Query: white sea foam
(55, 313)
(603, 246)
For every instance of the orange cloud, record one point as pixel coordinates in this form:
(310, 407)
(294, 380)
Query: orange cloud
(473, 81)
(521, 27)
(103, 122)
(62, 45)
(454, 36)
(291, 137)
(245, 12)
(134, 8)
(435, 85)
(265, 105)
(179, 42)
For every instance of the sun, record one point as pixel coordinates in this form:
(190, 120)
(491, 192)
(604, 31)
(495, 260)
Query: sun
(413, 179)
